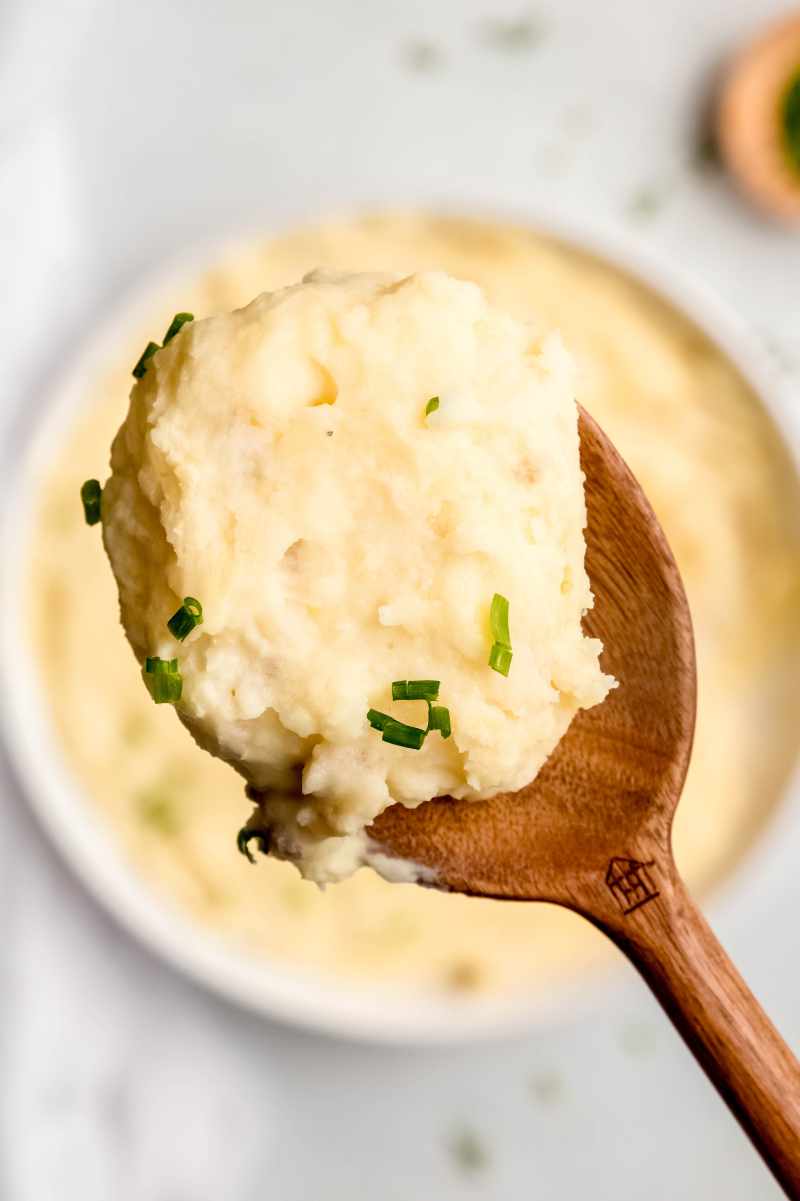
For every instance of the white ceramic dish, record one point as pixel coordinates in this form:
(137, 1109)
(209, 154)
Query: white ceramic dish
(272, 989)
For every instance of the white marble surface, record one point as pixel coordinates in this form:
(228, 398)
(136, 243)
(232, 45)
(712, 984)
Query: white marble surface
(130, 130)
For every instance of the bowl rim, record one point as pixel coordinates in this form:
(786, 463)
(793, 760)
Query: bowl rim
(272, 989)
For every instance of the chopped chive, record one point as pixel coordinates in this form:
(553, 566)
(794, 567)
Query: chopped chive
(790, 122)
(399, 734)
(470, 1153)
(176, 325)
(377, 719)
(157, 810)
(184, 620)
(147, 354)
(432, 406)
(415, 690)
(249, 834)
(439, 719)
(163, 680)
(499, 620)
(500, 655)
(394, 731)
(91, 494)
(158, 666)
(165, 689)
(500, 658)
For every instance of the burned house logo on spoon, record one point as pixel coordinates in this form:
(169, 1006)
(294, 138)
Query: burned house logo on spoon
(630, 883)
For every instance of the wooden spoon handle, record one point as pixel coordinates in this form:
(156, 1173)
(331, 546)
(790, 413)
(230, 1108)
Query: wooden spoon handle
(670, 943)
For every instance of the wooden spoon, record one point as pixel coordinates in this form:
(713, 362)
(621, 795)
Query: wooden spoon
(593, 830)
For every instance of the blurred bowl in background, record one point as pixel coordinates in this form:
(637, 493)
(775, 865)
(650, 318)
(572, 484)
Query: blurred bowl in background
(149, 822)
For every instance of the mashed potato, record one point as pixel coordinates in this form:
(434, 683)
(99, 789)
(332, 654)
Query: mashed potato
(282, 465)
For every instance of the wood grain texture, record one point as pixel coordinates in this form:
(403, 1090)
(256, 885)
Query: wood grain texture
(678, 955)
(593, 830)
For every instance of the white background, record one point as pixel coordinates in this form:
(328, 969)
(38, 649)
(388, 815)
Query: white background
(133, 130)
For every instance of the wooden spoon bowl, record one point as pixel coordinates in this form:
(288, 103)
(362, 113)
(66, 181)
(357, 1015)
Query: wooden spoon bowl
(592, 832)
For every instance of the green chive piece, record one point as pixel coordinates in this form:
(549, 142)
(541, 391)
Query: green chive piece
(176, 325)
(249, 834)
(498, 618)
(500, 655)
(91, 494)
(439, 719)
(415, 690)
(500, 658)
(184, 620)
(147, 354)
(157, 810)
(159, 666)
(790, 122)
(163, 680)
(165, 689)
(377, 719)
(432, 406)
(399, 734)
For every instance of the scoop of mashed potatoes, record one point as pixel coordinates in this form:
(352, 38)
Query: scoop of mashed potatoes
(344, 474)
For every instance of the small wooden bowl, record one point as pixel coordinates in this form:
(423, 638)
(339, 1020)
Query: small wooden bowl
(750, 120)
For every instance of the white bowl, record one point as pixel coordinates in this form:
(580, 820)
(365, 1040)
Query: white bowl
(271, 989)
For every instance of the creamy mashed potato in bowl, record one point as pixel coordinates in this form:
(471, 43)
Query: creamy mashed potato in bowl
(148, 818)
